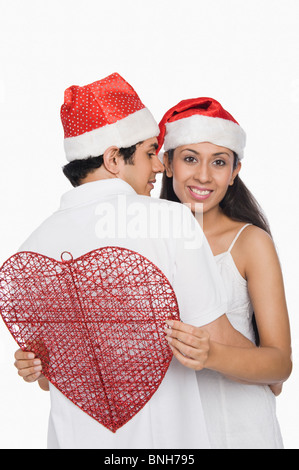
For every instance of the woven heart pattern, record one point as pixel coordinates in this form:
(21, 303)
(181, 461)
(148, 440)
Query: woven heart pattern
(96, 323)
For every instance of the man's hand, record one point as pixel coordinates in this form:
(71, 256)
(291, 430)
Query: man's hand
(189, 344)
(276, 388)
(30, 368)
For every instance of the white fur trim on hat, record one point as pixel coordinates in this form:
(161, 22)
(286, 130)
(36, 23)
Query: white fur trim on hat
(197, 128)
(134, 128)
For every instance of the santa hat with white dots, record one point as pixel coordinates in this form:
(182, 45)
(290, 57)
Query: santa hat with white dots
(105, 113)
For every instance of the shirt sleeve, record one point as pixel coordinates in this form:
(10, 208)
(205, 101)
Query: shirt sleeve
(197, 281)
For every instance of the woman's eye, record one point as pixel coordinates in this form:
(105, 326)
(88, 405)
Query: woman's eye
(189, 159)
(219, 162)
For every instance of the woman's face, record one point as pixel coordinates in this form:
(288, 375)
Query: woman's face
(201, 174)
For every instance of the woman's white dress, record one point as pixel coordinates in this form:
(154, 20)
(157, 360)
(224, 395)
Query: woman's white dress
(238, 416)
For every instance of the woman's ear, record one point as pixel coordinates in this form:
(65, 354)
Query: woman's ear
(167, 165)
(235, 173)
(112, 160)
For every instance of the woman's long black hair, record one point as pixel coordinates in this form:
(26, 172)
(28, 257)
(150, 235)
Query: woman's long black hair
(238, 204)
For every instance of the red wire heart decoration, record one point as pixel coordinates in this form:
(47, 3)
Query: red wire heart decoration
(96, 323)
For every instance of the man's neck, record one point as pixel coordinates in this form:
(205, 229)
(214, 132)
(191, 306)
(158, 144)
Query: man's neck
(97, 175)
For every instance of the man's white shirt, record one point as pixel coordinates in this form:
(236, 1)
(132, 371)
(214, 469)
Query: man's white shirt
(110, 213)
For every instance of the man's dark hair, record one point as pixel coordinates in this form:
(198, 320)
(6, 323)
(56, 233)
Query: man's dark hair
(77, 170)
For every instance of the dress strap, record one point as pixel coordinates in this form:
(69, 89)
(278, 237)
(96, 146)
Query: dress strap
(237, 236)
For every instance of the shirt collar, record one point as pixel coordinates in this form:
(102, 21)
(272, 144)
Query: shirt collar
(96, 190)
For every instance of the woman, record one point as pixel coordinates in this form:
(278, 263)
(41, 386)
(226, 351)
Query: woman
(203, 147)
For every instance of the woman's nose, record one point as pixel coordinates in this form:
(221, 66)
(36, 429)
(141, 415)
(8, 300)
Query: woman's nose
(202, 173)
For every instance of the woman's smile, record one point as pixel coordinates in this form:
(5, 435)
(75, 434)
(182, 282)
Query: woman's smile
(199, 194)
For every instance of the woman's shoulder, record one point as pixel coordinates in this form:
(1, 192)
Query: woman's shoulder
(253, 247)
(253, 236)
(245, 234)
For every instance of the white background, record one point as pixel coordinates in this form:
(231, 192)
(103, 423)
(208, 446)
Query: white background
(242, 53)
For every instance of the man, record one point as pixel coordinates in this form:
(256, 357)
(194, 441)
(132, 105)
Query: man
(110, 143)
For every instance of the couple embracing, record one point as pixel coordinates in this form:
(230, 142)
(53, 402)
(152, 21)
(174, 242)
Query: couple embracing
(232, 348)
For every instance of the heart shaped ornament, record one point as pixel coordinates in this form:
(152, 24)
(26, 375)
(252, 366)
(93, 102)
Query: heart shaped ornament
(96, 323)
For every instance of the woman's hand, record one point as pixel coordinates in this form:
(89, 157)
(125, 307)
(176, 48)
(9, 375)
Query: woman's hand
(189, 344)
(30, 368)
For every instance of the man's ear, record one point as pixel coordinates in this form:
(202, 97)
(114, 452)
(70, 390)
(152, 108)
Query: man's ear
(112, 159)
(167, 165)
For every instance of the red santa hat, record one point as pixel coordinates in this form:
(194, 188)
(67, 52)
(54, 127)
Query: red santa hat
(201, 120)
(105, 113)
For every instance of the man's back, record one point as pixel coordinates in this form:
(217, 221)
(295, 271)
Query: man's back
(110, 213)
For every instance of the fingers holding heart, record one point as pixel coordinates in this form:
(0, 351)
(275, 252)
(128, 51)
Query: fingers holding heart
(189, 344)
(29, 367)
